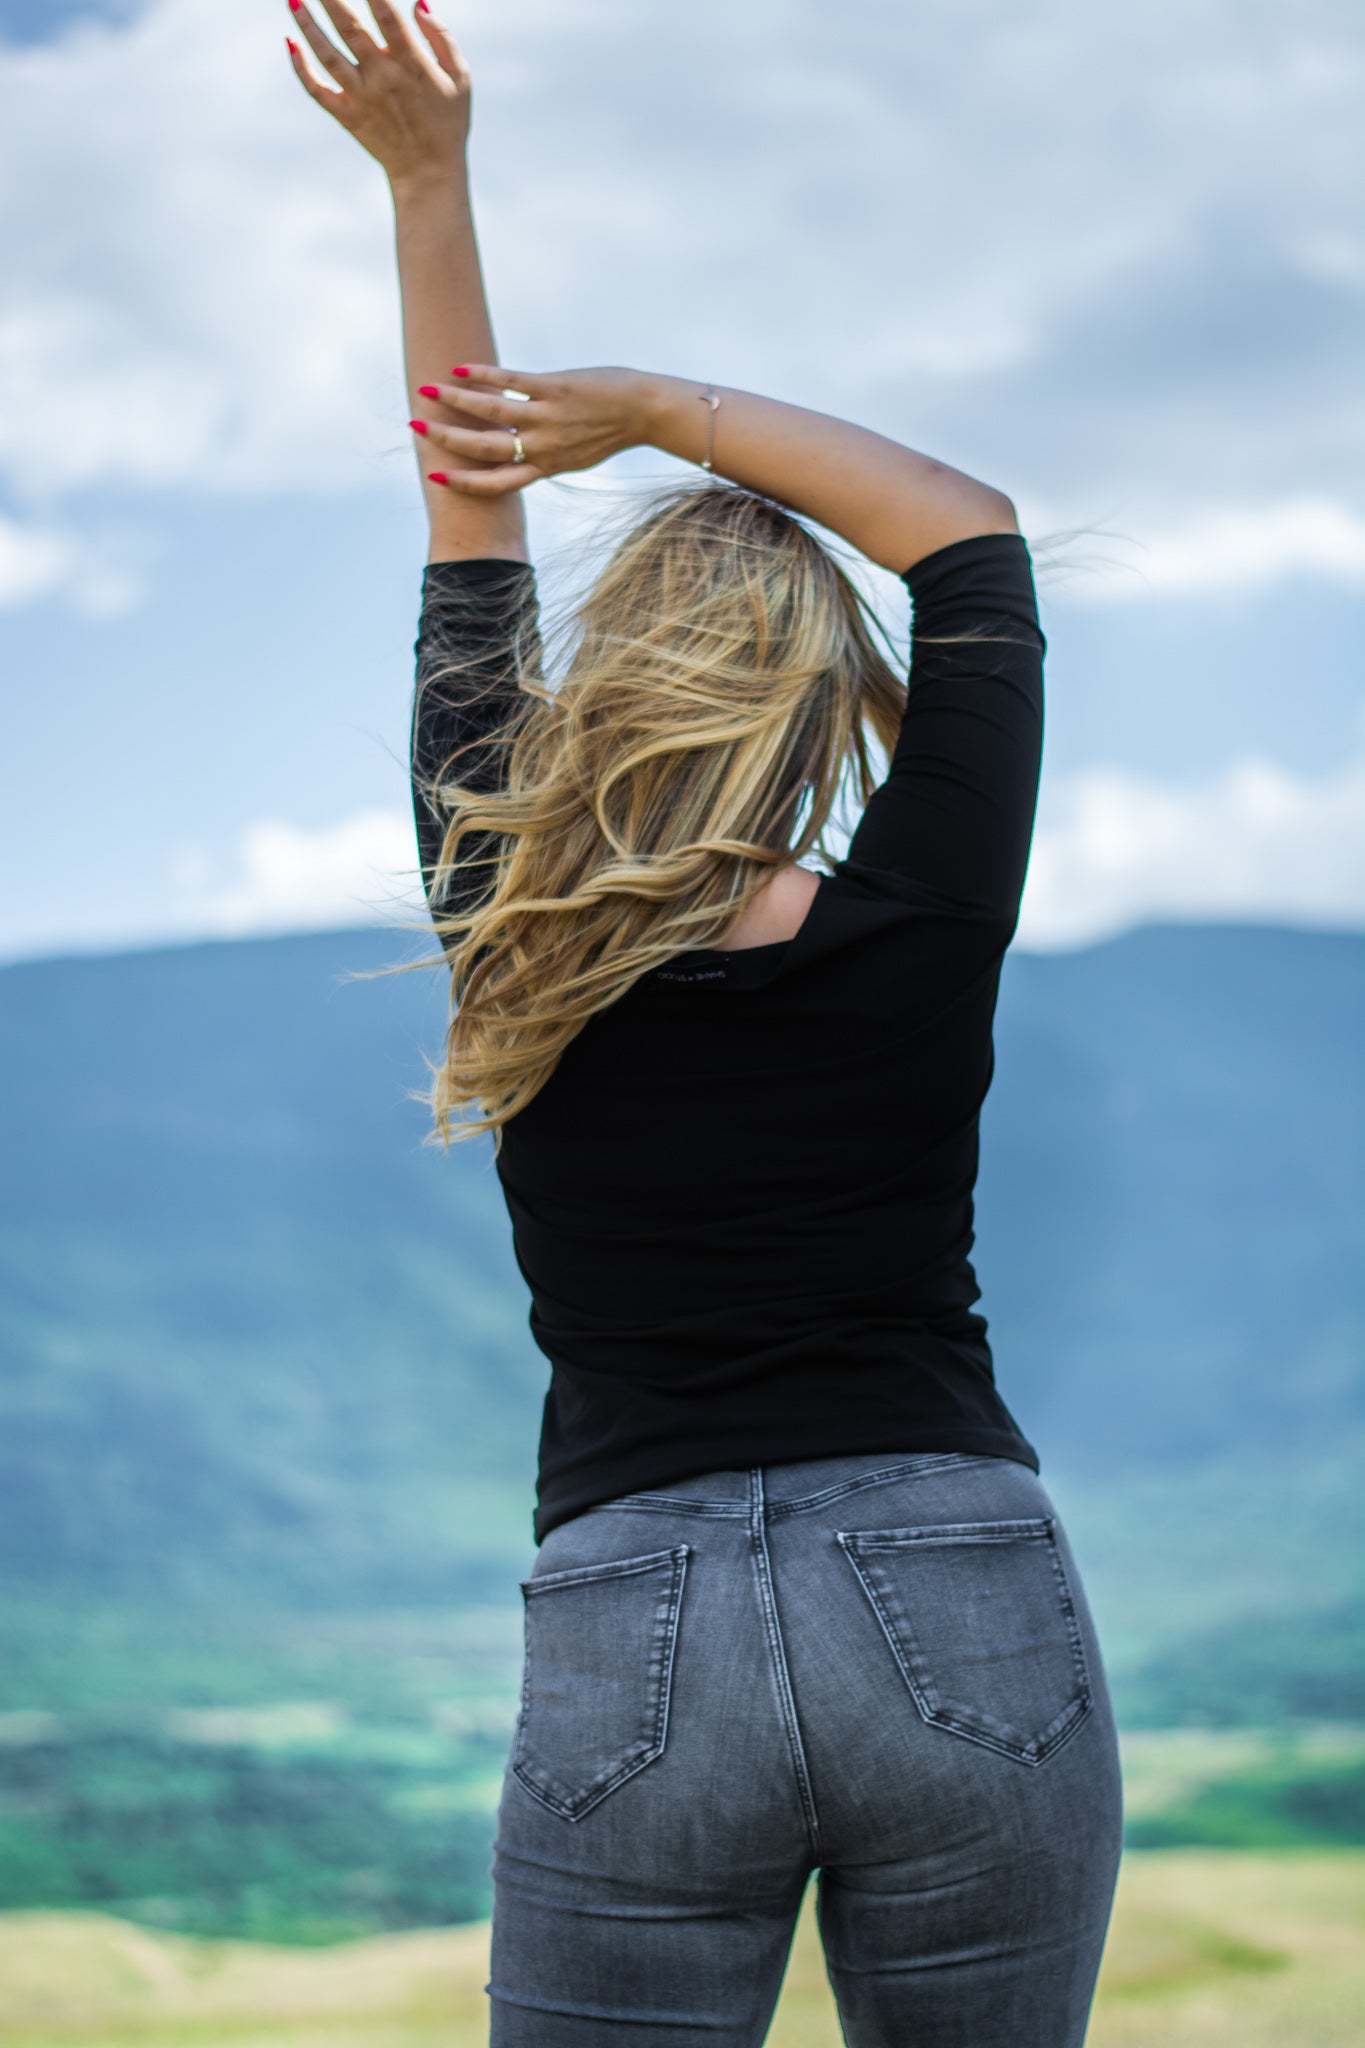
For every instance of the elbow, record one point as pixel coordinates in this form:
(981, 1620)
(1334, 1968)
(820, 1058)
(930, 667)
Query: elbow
(1002, 510)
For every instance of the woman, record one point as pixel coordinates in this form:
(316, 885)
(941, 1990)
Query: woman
(801, 1602)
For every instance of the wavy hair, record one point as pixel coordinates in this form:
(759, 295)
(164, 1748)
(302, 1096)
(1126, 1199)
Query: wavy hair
(722, 678)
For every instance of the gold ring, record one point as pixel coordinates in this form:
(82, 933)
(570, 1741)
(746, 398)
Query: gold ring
(517, 448)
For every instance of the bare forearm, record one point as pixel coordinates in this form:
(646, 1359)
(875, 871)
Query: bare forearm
(446, 321)
(893, 505)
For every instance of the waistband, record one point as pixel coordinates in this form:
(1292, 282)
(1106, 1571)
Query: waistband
(788, 1487)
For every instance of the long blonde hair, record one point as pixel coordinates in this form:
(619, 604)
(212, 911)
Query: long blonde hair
(721, 681)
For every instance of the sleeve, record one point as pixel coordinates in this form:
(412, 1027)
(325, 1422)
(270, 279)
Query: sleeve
(477, 629)
(954, 817)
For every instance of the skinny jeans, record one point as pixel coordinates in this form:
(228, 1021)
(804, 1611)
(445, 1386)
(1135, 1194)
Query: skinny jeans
(878, 1668)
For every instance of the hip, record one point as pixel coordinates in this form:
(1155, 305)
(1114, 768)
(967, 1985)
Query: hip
(819, 1647)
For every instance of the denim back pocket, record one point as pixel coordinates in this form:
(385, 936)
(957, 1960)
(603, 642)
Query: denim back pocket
(981, 1620)
(598, 1673)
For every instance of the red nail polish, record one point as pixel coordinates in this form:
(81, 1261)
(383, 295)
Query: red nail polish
(291, 46)
(427, 391)
(422, 7)
(437, 476)
(295, 6)
(459, 371)
(418, 426)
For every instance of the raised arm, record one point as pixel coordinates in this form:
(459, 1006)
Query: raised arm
(407, 100)
(890, 503)
(894, 505)
(478, 631)
(954, 818)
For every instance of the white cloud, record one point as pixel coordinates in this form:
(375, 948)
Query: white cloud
(32, 561)
(1094, 253)
(284, 877)
(1232, 549)
(197, 285)
(1112, 850)
(41, 560)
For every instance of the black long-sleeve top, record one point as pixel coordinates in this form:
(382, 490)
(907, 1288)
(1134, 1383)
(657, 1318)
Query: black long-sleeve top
(743, 1201)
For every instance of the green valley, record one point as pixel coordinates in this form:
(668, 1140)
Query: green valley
(268, 1409)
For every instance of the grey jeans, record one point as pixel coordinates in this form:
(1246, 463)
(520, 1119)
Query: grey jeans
(878, 1667)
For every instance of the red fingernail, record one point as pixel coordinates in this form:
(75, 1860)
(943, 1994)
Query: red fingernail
(418, 426)
(291, 46)
(427, 391)
(459, 371)
(295, 6)
(437, 476)
(422, 7)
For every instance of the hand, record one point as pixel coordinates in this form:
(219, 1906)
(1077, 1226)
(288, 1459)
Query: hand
(406, 101)
(569, 419)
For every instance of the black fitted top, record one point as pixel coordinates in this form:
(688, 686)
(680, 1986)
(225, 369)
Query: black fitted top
(743, 1201)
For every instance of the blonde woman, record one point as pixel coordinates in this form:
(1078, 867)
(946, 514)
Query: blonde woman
(801, 1602)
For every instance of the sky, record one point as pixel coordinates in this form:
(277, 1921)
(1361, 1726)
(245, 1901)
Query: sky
(1109, 260)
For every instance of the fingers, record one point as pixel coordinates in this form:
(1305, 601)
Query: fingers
(323, 94)
(394, 28)
(350, 28)
(479, 392)
(444, 48)
(528, 381)
(486, 483)
(322, 47)
(486, 405)
(465, 443)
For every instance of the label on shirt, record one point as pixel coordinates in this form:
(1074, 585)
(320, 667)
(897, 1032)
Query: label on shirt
(690, 974)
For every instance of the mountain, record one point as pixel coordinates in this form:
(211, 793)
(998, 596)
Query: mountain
(268, 1411)
(1172, 1197)
(253, 1327)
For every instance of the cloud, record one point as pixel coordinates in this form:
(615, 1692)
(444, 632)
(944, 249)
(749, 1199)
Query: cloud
(1112, 258)
(1234, 549)
(197, 289)
(1231, 549)
(284, 877)
(43, 560)
(1112, 850)
(32, 561)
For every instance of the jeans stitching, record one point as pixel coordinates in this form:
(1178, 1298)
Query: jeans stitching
(1022, 1528)
(647, 1748)
(1073, 1623)
(772, 1628)
(926, 1461)
(884, 1622)
(664, 1504)
(588, 1574)
(1065, 1723)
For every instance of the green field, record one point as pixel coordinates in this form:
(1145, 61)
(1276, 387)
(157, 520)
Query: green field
(268, 1413)
(1207, 1947)
(317, 1778)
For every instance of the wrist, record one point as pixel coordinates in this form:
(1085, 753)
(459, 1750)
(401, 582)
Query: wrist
(657, 406)
(640, 408)
(436, 178)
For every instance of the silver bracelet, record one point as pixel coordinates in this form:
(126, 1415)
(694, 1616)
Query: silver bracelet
(710, 397)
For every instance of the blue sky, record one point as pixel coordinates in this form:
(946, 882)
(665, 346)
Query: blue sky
(1112, 263)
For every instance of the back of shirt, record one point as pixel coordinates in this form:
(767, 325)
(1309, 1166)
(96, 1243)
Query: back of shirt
(743, 1201)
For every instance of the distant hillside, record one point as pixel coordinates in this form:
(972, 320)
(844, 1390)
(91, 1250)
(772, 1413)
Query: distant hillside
(1172, 1197)
(251, 1326)
(268, 1412)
